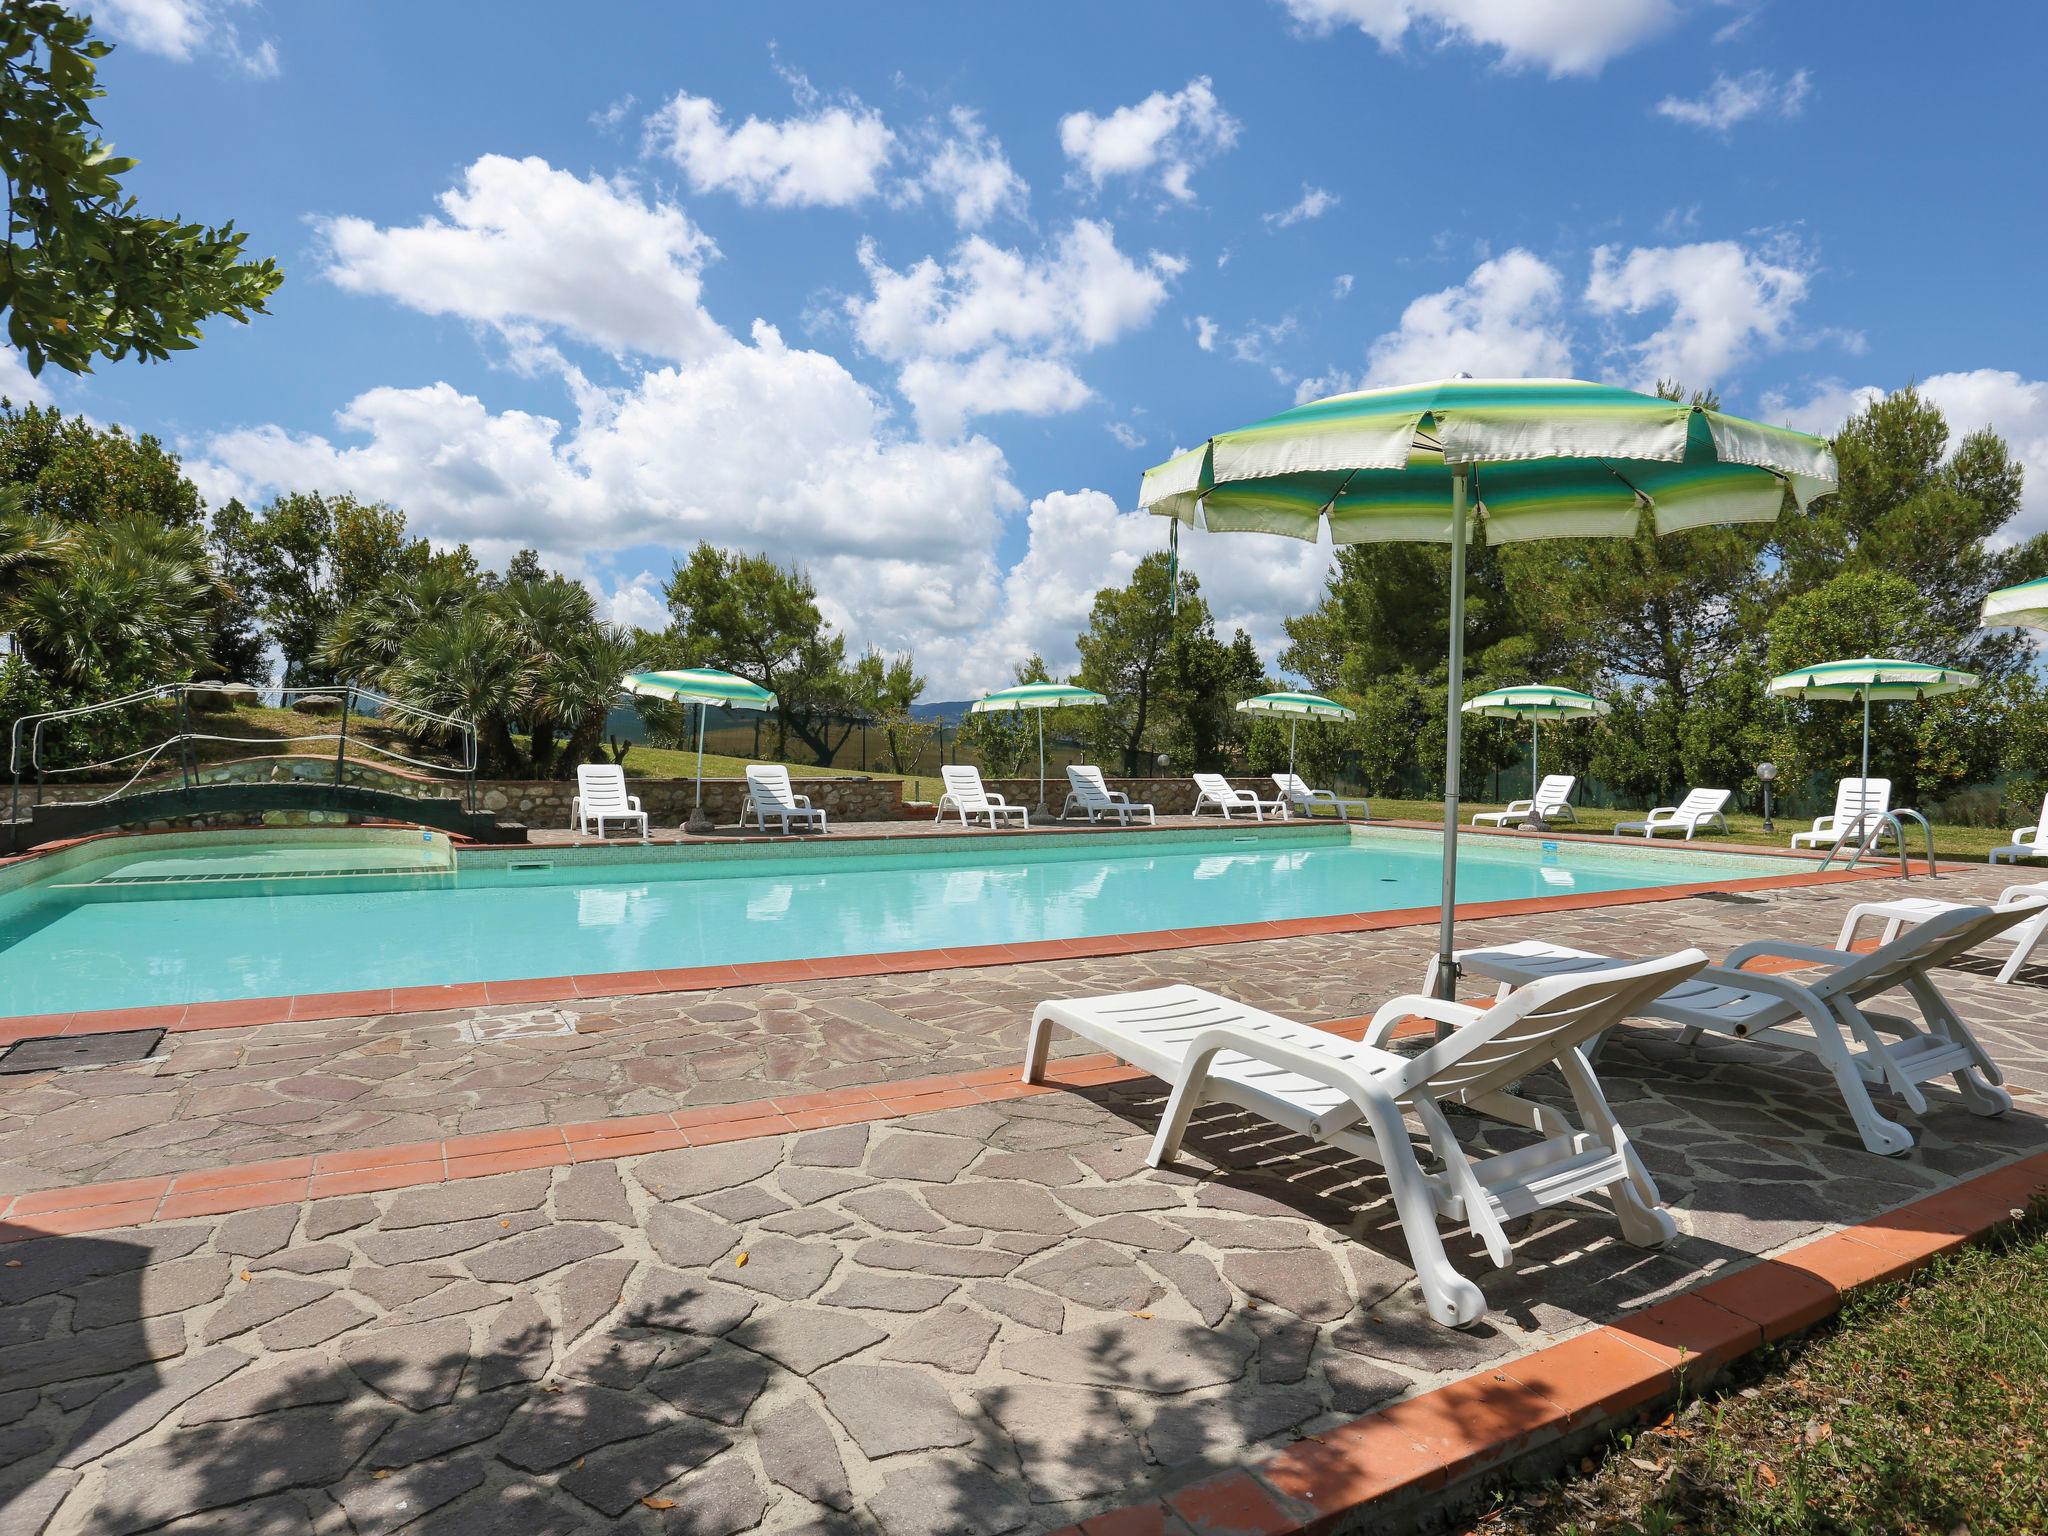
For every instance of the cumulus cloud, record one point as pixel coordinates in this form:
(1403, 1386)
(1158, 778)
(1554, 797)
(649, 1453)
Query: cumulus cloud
(1563, 37)
(1734, 98)
(1723, 303)
(969, 173)
(183, 30)
(1205, 333)
(832, 157)
(1165, 135)
(2009, 403)
(1504, 321)
(991, 329)
(521, 244)
(17, 384)
(1313, 203)
(1340, 286)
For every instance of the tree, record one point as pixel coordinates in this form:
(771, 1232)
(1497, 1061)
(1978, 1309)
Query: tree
(74, 472)
(124, 606)
(886, 689)
(87, 275)
(1129, 655)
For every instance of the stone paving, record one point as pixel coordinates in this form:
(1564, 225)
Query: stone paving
(987, 1319)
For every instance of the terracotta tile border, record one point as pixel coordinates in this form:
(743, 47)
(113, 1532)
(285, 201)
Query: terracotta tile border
(248, 1012)
(1399, 1454)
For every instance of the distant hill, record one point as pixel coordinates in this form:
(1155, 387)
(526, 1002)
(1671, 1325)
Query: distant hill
(950, 711)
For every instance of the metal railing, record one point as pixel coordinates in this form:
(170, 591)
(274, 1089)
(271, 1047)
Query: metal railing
(356, 703)
(1874, 825)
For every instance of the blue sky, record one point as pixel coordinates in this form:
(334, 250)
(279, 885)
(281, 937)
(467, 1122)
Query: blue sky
(913, 293)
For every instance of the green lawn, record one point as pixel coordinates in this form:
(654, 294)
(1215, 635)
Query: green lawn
(1923, 1409)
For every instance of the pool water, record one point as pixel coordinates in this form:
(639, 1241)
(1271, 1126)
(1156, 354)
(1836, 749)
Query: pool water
(245, 917)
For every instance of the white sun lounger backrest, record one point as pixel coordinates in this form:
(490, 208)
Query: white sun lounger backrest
(1556, 788)
(1703, 802)
(1293, 786)
(769, 785)
(963, 783)
(1920, 948)
(1089, 788)
(1217, 787)
(1855, 796)
(601, 787)
(1532, 1026)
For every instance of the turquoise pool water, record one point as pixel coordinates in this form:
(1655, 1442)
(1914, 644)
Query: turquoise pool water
(246, 917)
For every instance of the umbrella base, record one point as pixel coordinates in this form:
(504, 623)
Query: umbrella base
(699, 823)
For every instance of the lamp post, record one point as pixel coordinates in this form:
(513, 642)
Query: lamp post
(1765, 772)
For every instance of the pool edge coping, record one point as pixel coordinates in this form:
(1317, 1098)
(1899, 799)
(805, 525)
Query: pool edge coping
(384, 1002)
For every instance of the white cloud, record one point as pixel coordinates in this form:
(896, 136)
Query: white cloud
(1313, 203)
(968, 171)
(17, 384)
(1126, 434)
(523, 244)
(1733, 98)
(1725, 302)
(1504, 321)
(1564, 37)
(830, 158)
(991, 329)
(182, 30)
(2010, 404)
(637, 603)
(613, 118)
(1340, 288)
(1170, 134)
(1205, 333)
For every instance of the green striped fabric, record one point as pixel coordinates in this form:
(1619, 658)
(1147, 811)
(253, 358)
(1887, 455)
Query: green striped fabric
(2026, 604)
(1878, 677)
(1547, 458)
(1537, 702)
(1297, 704)
(1034, 696)
(699, 685)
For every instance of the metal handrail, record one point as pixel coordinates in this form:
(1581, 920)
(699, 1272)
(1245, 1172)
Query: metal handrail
(353, 698)
(1878, 823)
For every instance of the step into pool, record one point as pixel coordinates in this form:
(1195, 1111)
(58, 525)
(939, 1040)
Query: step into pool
(206, 918)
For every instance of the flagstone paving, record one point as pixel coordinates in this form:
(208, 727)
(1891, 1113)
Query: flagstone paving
(991, 1318)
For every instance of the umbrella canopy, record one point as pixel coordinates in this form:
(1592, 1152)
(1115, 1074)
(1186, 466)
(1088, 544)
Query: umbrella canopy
(1884, 679)
(1036, 696)
(2026, 604)
(1536, 704)
(1535, 458)
(1295, 706)
(701, 686)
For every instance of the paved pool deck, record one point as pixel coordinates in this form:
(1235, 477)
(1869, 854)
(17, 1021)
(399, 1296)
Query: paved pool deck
(804, 1257)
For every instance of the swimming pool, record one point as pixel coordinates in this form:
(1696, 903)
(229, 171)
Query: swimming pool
(201, 918)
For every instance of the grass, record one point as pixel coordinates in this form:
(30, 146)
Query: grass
(1922, 1409)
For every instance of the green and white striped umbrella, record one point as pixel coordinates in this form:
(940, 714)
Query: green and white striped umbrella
(1296, 705)
(1535, 703)
(1036, 696)
(2025, 604)
(1885, 679)
(1533, 458)
(703, 687)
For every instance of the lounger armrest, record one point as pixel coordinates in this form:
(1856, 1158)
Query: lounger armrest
(802, 800)
(2021, 896)
(1415, 1004)
(633, 801)
(2025, 834)
(1659, 811)
(1818, 953)
(1519, 808)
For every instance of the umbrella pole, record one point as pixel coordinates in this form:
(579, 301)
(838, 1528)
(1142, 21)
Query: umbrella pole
(1041, 763)
(1447, 966)
(1535, 754)
(1866, 735)
(698, 821)
(1292, 726)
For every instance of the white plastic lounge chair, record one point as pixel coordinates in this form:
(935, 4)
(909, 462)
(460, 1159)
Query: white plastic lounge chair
(965, 794)
(769, 794)
(601, 796)
(1300, 797)
(1551, 802)
(1699, 808)
(1825, 1016)
(1917, 909)
(1354, 1095)
(1087, 792)
(1853, 797)
(2027, 843)
(1216, 790)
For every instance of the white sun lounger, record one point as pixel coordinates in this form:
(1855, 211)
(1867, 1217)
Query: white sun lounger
(1825, 1016)
(1214, 789)
(965, 794)
(1087, 792)
(2028, 842)
(1699, 808)
(1856, 801)
(1354, 1095)
(1300, 797)
(601, 796)
(1551, 802)
(1918, 909)
(769, 794)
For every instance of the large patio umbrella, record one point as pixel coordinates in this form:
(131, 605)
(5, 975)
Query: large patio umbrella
(1038, 696)
(703, 687)
(1536, 458)
(1535, 704)
(1868, 678)
(1296, 706)
(2025, 604)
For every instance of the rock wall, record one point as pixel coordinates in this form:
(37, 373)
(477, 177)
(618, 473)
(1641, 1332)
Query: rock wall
(668, 801)
(1168, 796)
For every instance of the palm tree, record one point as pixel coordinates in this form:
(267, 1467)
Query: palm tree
(368, 636)
(579, 684)
(125, 603)
(469, 665)
(548, 616)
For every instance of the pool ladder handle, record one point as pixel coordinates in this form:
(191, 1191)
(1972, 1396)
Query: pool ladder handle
(1875, 823)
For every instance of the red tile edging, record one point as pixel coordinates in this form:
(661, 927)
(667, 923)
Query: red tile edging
(248, 1012)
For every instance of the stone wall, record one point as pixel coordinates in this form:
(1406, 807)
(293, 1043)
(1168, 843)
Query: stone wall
(668, 801)
(1168, 796)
